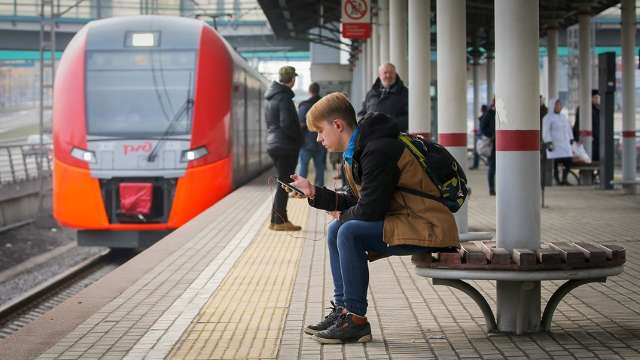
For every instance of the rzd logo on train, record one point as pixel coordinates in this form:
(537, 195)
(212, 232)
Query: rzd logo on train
(131, 148)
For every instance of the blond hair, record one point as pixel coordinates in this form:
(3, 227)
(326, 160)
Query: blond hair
(331, 107)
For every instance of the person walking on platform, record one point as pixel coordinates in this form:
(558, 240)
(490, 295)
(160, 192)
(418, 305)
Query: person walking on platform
(476, 157)
(373, 219)
(558, 137)
(595, 125)
(311, 149)
(284, 138)
(488, 129)
(389, 96)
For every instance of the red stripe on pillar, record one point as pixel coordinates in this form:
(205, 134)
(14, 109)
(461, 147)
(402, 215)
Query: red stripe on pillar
(453, 139)
(629, 134)
(517, 140)
(586, 133)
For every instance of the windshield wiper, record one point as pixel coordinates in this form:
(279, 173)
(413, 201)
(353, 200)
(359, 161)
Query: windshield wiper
(186, 106)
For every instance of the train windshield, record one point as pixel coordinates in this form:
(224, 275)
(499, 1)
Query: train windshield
(137, 93)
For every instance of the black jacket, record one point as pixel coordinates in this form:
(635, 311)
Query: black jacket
(393, 102)
(310, 137)
(374, 168)
(283, 130)
(595, 130)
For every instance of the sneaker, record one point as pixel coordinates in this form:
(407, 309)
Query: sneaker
(325, 323)
(287, 226)
(346, 329)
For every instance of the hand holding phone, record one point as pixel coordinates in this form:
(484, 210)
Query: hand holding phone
(291, 188)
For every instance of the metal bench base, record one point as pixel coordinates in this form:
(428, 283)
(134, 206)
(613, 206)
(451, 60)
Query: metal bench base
(550, 308)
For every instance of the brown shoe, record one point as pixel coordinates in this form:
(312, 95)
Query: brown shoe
(287, 226)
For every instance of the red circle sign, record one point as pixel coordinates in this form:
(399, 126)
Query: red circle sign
(355, 9)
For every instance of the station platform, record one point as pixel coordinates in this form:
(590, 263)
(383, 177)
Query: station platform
(224, 286)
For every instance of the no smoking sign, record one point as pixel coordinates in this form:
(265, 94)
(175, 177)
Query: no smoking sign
(356, 19)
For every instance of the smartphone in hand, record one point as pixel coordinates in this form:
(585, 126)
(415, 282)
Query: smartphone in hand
(291, 188)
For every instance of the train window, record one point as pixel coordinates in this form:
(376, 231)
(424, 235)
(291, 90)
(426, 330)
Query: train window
(139, 92)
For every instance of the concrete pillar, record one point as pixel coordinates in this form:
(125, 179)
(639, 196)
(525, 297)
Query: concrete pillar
(584, 94)
(518, 155)
(552, 51)
(475, 71)
(398, 37)
(370, 71)
(420, 67)
(489, 76)
(628, 93)
(363, 59)
(375, 50)
(383, 30)
(451, 35)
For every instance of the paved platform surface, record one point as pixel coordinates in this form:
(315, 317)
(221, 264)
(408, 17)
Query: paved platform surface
(233, 289)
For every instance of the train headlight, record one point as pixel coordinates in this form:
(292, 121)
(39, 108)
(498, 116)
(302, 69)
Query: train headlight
(84, 155)
(194, 154)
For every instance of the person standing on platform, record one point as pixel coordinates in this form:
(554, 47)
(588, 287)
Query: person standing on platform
(595, 125)
(389, 96)
(488, 129)
(284, 138)
(558, 137)
(476, 156)
(311, 149)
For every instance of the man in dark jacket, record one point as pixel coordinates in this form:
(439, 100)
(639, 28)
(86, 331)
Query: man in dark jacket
(284, 138)
(488, 129)
(311, 149)
(595, 125)
(389, 96)
(373, 219)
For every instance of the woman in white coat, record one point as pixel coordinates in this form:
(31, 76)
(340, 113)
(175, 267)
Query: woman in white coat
(558, 136)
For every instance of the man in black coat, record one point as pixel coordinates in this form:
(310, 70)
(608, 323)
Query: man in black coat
(311, 149)
(595, 125)
(488, 129)
(284, 138)
(389, 96)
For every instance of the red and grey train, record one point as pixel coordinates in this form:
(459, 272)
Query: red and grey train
(155, 119)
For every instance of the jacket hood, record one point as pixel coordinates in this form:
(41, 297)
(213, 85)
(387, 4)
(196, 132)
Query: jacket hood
(277, 88)
(377, 85)
(552, 104)
(376, 126)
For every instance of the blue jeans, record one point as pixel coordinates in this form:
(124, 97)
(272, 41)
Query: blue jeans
(319, 161)
(348, 246)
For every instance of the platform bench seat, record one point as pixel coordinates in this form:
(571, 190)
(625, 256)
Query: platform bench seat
(578, 263)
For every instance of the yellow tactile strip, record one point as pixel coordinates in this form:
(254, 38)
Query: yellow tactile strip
(246, 315)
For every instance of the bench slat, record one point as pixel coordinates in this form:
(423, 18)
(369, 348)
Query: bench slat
(615, 253)
(595, 254)
(473, 254)
(547, 256)
(523, 257)
(496, 256)
(452, 258)
(570, 254)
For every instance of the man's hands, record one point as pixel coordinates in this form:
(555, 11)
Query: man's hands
(303, 185)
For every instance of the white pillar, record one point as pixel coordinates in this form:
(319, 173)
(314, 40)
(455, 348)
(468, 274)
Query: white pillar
(628, 93)
(375, 50)
(383, 30)
(452, 83)
(420, 67)
(518, 155)
(552, 51)
(369, 64)
(585, 81)
(398, 37)
(475, 73)
(490, 73)
(363, 59)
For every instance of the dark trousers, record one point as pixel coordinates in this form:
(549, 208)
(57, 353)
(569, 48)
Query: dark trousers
(285, 164)
(566, 163)
(491, 174)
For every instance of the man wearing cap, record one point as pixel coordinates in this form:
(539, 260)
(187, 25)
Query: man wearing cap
(284, 139)
(389, 96)
(595, 125)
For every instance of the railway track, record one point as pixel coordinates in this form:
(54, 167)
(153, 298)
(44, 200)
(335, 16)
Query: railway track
(31, 305)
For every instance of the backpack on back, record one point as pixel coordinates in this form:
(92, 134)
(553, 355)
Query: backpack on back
(441, 167)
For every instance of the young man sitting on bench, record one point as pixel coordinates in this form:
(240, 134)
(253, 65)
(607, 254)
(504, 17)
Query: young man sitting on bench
(374, 219)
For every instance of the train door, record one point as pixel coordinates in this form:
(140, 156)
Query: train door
(238, 126)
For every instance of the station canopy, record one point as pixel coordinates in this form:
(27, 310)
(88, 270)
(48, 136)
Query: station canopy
(318, 20)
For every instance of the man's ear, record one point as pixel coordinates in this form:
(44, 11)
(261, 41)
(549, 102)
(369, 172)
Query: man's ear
(338, 124)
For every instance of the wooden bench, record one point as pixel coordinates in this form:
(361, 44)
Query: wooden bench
(578, 263)
(587, 173)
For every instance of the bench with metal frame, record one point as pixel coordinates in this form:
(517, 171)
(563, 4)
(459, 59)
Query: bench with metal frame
(578, 263)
